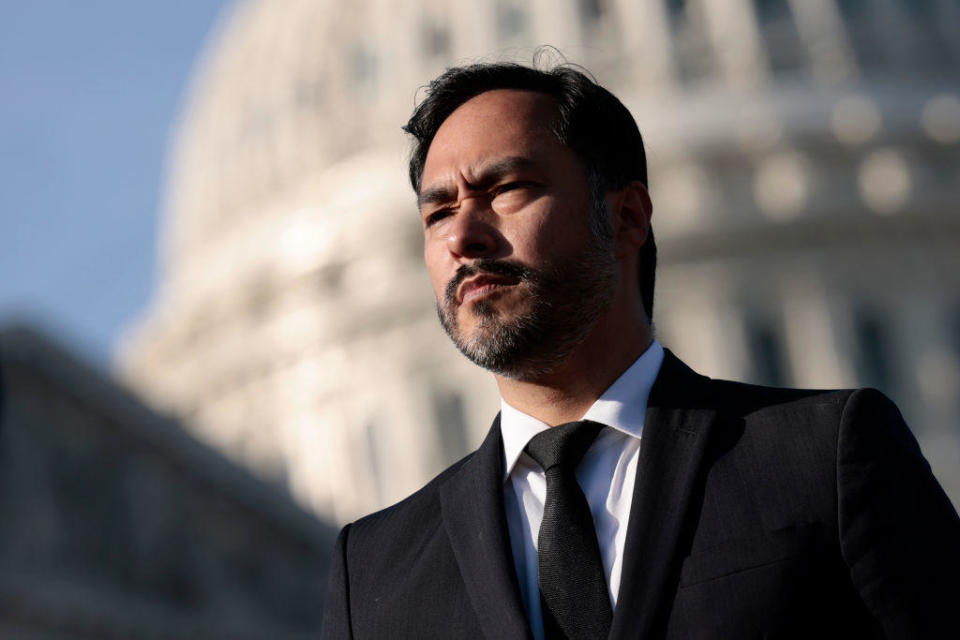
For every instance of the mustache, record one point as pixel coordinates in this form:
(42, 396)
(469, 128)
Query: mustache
(485, 265)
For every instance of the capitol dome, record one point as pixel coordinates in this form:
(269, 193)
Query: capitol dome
(804, 177)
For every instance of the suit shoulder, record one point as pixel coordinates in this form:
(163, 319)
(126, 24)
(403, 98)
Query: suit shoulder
(834, 405)
(784, 420)
(748, 399)
(684, 387)
(418, 512)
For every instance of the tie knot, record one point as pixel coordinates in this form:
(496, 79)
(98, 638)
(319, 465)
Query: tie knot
(563, 445)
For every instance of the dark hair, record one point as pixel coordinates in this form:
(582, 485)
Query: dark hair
(591, 121)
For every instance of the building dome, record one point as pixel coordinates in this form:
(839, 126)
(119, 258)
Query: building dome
(283, 90)
(802, 166)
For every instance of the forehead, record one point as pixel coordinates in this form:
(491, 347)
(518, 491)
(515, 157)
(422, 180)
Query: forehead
(488, 127)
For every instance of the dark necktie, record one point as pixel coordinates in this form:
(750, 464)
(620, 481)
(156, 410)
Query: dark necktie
(573, 592)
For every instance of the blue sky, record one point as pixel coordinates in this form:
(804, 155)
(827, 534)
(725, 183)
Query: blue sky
(89, 92)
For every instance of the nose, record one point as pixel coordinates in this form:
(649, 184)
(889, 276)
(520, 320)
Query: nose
(471, 234)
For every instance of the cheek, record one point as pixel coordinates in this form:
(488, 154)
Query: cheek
(529, 233)
(555, 231)
(434, 263)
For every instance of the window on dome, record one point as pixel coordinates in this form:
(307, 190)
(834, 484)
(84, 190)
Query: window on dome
(596, 23)
(860, 22)
(362, 69)
(591, 10)
(955, 327)
(766, 352)
(434, 38)
(675, 7)
(451, 425)
(872, 350)
(695, 58)
(512, 20)
(851, 8)
(767, 9)
(780, 36)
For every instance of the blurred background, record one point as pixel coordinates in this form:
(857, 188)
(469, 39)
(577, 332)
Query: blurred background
(218, 341)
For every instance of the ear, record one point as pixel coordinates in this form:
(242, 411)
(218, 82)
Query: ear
(632, 209)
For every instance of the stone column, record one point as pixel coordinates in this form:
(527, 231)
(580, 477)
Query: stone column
(822, 33)
(732, 26)
(645, 29)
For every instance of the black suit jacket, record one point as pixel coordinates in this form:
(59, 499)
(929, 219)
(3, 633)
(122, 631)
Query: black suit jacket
(757, 513)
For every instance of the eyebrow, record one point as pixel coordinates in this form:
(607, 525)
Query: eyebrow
(486, 176)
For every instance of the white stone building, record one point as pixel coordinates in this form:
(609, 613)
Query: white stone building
(115, 523)
(803, 161)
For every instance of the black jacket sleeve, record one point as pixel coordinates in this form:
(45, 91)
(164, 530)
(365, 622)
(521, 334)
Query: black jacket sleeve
(336, 611)
(900, 535)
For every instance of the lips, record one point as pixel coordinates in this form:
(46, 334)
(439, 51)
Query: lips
(481, 285)
(482, 276)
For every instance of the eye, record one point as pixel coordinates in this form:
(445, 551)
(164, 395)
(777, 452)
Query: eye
(510, 186)
(519, 186)
(511, 195)
(435, 217)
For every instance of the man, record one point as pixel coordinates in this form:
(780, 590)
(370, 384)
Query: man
(619, 494)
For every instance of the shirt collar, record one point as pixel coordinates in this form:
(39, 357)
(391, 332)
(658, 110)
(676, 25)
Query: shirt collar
(622, 406)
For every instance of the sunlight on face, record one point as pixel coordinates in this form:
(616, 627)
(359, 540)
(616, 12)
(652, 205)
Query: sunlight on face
(519, 278)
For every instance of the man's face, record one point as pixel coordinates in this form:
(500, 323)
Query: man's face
(519, 278)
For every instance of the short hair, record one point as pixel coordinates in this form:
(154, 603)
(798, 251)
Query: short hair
(590, 120)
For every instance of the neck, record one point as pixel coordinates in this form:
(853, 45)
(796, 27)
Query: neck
(569, 390)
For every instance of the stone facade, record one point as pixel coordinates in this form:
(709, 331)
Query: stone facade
(118, 524)
(805, 185)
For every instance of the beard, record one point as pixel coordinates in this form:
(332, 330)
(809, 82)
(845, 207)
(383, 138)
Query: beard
(564, 300)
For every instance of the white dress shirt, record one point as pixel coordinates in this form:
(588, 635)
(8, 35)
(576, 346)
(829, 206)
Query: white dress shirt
(605, 475)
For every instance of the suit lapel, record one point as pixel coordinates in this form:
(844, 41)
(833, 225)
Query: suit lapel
(472, 505)
(675, 432)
